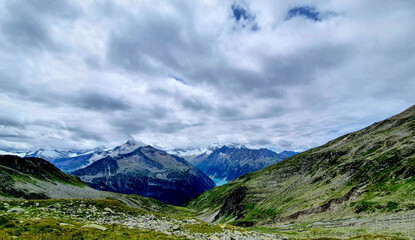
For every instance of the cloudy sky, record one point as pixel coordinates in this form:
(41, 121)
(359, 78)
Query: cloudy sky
(280, 74)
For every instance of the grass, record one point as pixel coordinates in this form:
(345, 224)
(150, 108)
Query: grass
(203, 228)
(302, 232)
(378, 163)
(213, 198)
(64, 219)
(51, 229)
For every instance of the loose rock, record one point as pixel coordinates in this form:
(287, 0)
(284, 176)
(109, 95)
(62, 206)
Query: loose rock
(95, 226)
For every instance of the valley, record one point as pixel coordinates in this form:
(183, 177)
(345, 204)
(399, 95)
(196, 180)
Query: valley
(358, 186)
(207, 120)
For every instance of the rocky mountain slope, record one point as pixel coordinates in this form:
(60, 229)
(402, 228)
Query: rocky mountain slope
(370, 172)
(73, 163)
(15, 170)
(35, 178)
(69, 161)
(230, 162)
(148, 172)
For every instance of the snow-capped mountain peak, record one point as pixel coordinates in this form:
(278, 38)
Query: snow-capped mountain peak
(49, 154)
(20, 154)
(125, 148)
(194, 151)
(234, 145)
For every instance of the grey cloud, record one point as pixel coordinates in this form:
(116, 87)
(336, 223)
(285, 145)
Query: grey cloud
(26, 31)
(273, 112)
(151, 40)
(60, 8)
(270, 93)
(196, 105)
(10, 122)
(100, 102)
(277, 71)
(26, 23)
(261, 142)
(298, 68)
(80, 134)
(41, 93)
(93, 62)
(284, 144)
(130, 126)
(291, 84)
(174, 127)
(138, 120)
(229, 113)
(12, 137)
(47, 123)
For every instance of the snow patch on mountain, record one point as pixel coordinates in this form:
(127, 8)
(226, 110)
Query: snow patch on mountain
(20, 154)
(195, 151)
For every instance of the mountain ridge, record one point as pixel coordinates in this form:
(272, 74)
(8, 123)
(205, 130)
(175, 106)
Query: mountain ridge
(230, 162)
(370, 171)
(149, 172)
(36, 178)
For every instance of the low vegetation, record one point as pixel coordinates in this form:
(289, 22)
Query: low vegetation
(362, 175)
(105, 219)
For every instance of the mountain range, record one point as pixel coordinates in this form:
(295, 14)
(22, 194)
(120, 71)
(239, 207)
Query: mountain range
(146, 171)
(60, 158)
(358, 186)
(36, 178)
(229, 162)
(71, 164)
(108, 169)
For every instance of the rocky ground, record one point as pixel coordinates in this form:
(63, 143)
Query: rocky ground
(111, 219)
(102, 215)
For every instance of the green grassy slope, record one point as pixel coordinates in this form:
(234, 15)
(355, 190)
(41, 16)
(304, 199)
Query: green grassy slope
(35, 178)
(105, 219)
(368, 172)
(37, 168)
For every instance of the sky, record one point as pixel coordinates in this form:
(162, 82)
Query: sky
(277, 74)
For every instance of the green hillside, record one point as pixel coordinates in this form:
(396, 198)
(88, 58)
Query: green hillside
(370, 172)
(35, 178)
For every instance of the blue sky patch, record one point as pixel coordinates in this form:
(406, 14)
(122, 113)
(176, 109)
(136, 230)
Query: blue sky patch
(305, 11)
(240, 12)
(247, 19)
(177, 78)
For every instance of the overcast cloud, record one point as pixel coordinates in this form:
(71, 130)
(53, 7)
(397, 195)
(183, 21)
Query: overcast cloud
(277, 74)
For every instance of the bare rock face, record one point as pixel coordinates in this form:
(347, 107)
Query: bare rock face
(148, 172)
(233, 204)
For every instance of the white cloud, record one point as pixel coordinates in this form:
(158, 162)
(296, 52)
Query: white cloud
(101, 71)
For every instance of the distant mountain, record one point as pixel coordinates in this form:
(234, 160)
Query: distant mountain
(193, 151)
(287, 154)
(73, 163)
(367, 173)
(146, 171)
(20, 153)
(50, 154)
(231, 161)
